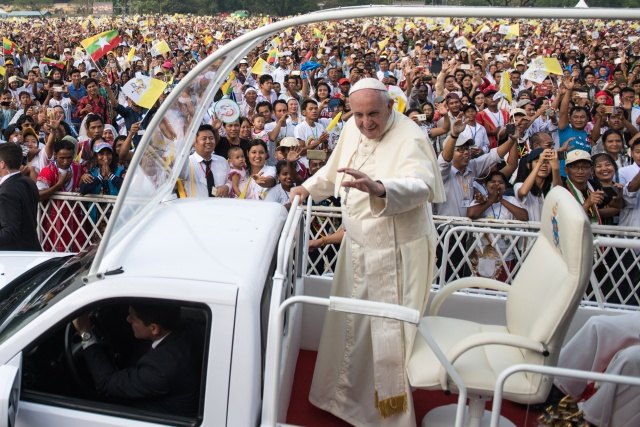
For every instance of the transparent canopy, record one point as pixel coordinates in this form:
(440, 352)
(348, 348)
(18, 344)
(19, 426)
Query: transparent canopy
(164, 149)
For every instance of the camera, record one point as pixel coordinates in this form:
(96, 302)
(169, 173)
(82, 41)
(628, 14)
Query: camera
(510, 129)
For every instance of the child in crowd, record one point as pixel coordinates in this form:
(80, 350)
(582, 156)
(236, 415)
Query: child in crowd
(258, 131)
(289, 150)
(238, 172)
(280, 193)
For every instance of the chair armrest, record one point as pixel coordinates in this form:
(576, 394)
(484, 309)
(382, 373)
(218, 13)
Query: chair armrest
(490, 338)
(467, 282)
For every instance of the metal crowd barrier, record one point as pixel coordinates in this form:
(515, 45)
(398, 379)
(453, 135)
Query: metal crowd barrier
(615, 281)
(71, 223)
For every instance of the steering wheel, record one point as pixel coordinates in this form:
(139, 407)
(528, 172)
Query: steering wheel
(73, 351)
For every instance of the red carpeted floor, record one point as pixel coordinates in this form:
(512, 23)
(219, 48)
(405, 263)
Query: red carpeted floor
(303, 413)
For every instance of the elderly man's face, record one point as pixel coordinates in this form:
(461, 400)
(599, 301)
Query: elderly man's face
(371, 113)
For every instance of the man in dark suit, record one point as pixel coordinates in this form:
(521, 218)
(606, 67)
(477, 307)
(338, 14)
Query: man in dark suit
(18, 203)
(166, 378)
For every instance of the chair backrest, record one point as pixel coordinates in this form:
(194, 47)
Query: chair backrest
(548, 288)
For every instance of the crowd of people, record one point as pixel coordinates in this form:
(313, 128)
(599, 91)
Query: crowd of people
(510, 109)
(499, 150)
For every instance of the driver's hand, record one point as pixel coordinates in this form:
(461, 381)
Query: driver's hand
(82, 324)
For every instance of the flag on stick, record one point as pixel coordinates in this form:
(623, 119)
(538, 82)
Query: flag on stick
(261, 67)
(144, 90)
(100, 44)
(9, 47)
(227, 88)
(53, 63)
(505, 86)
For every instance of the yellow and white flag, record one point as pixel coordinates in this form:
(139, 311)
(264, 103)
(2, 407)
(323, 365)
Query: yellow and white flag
(144, 90)
(549, 65)
(160, 48)
(505, 86)
(78, 54)
(461, 42)
(131, 54)
(261, 67)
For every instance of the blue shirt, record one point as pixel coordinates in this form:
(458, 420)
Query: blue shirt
(79, 94)
(130, 117)
(579, 143)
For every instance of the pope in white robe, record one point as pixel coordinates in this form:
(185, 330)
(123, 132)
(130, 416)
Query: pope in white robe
(385, 172)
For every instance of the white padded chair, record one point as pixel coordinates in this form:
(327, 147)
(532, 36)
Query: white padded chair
(540, 305)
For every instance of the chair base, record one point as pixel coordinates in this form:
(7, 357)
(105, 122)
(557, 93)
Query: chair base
(444, 416)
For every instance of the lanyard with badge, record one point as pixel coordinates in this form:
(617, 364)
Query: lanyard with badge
(466, 200)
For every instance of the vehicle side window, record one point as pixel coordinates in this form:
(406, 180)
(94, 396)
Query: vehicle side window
(141, 359)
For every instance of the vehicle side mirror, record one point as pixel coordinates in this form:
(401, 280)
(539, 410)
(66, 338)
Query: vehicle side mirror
(10, 378)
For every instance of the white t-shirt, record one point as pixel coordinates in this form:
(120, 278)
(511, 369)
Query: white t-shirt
(278, 194)
(533, 204)
(478, 133)
(288, 130)
(39, 161)
(255, 191)
(498, 211)
(307, 133)
(334, 134)
(65, 103)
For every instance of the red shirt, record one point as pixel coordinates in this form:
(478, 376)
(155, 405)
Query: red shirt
(98, 107)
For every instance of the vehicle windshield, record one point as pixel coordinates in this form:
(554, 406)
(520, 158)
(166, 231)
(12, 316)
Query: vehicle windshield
(35, 291)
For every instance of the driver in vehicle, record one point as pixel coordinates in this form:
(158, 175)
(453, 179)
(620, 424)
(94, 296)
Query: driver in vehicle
(166, 378)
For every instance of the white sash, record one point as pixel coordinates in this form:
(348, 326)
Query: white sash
(386, 334)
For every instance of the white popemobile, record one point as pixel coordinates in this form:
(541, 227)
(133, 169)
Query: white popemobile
(233, 267)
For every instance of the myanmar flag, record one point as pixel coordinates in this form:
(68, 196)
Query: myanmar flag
(317, 34)
(9, 47)
(273, 56)
(53, 63)
(100, 44)
(227, 88)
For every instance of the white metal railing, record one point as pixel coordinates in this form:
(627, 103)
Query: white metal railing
(273, 384)
(71, 223)
(554, 372)
(289, 267)
(614, 281)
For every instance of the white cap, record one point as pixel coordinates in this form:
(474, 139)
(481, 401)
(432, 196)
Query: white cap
(576, 156)
(368, 83)
(288, 141)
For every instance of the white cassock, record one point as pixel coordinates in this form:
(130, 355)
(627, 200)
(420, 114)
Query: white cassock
(609, 344)
(387, 254)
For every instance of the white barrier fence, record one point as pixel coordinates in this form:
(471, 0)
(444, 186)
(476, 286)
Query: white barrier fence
(71, 223)
(615, 280)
